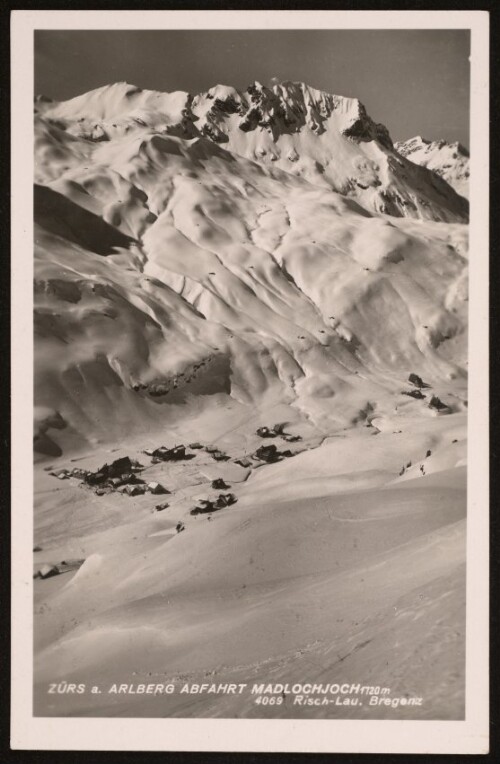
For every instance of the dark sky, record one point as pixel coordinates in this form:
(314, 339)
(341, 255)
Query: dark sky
(414, 81)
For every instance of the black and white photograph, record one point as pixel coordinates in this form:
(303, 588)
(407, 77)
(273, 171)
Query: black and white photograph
(251, 318)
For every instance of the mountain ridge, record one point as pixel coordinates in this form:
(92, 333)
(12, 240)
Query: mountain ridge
(448, 159)
(327, 139)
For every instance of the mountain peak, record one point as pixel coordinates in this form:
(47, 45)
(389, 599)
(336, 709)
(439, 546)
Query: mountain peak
(326, 139)
(449, 160)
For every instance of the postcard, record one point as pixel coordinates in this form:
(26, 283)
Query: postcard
(250, 375)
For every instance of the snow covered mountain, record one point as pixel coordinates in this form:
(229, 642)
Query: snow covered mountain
(198, 250)
(449, 160)
(210, 270)
(326, 139)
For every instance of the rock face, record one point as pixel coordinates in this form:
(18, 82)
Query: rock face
(448, 160)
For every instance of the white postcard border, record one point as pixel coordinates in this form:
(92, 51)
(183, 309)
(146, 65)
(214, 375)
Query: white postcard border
(354, 736)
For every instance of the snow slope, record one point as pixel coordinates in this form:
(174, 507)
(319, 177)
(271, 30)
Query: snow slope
(342, 584)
